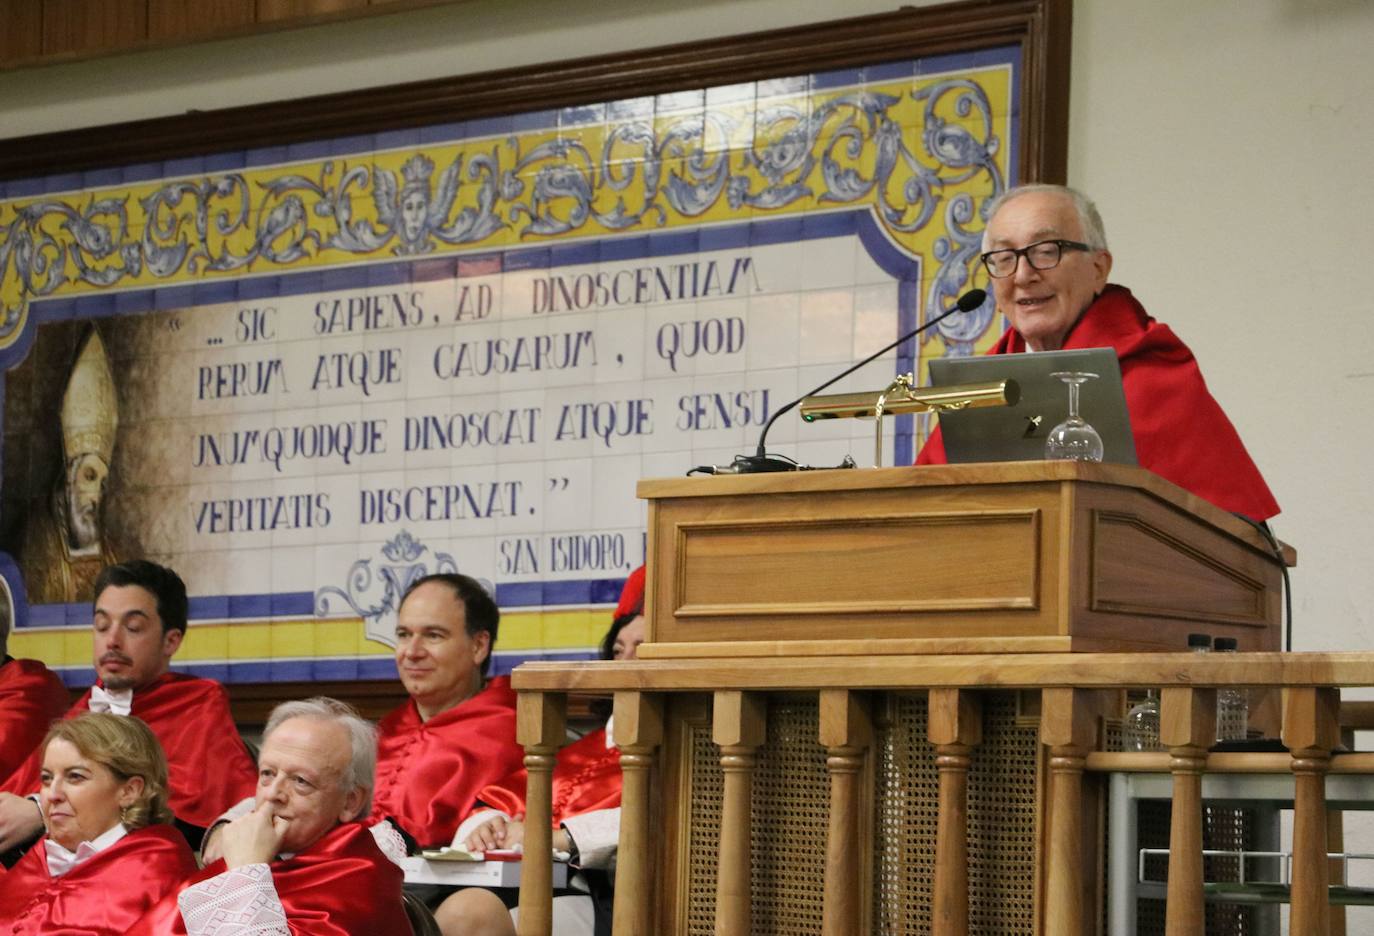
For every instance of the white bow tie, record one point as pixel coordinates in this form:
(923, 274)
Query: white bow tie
(120, 701)
(60, 861)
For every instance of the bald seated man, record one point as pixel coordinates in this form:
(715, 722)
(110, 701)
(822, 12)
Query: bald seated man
(1045, 254)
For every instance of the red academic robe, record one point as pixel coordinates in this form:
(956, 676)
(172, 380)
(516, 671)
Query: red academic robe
(209, 769)
(586, 777)
(102, 896)
(428, 773)
(31, 699)
(1181, 433)
(341, 886)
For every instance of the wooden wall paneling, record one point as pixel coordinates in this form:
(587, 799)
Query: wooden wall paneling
(78, 26)
(21, 30)
(1040, 27)
(180, 20)
(269, 10)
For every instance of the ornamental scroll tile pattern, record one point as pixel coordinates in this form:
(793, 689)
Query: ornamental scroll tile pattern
(373, 586)
(918, 153)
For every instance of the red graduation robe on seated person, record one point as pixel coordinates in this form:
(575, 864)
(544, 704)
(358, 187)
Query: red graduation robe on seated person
(31, 699)
(102, 896)
(586, 777)
(341, 886)
(208, 766)
(428, 773)
(1181, 432)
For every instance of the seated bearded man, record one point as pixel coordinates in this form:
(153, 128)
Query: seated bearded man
(1046, 254)
(139, 622)
(301, 863)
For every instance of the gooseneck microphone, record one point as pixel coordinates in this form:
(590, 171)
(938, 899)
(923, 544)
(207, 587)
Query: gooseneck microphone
(761, 461)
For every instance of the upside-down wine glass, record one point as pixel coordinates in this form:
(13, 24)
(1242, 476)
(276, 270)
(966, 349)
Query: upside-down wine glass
(1074, 439)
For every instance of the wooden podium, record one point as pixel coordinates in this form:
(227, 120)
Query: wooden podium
(1005, 558)
(863, 706)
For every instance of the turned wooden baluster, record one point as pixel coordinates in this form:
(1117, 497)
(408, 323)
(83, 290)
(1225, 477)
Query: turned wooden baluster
(847, 734)
(1187, 727)
(638, 727)
(1068, 727)
(1310, 730)
(738, 725)
(540, 720)
(955, 727)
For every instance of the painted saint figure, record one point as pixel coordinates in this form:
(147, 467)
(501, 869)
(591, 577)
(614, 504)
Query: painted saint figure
(65, 546)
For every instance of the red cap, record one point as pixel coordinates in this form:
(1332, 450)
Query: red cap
(632, 595)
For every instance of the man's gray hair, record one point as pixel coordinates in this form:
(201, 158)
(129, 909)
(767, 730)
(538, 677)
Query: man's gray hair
(362, 738)
(1094, 235)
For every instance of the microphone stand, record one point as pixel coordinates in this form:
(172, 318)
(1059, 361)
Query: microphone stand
(761, 461)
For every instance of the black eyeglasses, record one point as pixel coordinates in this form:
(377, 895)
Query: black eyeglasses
(1042, 255)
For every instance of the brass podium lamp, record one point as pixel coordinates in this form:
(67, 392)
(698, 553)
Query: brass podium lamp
(903, 396)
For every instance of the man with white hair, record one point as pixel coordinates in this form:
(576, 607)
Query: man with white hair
(300, 862)
(1046, 254)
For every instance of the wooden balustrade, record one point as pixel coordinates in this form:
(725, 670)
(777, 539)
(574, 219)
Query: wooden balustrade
(846, 732)
(738, 725)
(638, 733)
(540, 727)
(1071, 708)
(1310, 730)
(1069, 728)
(1187, 727)
(955, 727)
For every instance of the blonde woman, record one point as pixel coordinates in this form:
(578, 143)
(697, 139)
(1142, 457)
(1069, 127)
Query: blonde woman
(110, 852)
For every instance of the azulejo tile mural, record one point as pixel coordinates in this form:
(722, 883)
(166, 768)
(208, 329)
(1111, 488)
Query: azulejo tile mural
(305, 376)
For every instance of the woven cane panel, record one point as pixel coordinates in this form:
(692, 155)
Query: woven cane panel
(1001, 833)
(790, 816)
(707, 786)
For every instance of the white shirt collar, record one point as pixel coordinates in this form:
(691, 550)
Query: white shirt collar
(60, 860)
(119, 701)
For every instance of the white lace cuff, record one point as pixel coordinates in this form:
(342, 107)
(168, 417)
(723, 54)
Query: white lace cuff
(390, 842)
(597, 836)
(239, 902)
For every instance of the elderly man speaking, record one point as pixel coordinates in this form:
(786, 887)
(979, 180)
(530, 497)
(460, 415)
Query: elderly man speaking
(1046, 254)
(300, 863)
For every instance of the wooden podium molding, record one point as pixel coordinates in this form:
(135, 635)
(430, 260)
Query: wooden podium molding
(1019, 557)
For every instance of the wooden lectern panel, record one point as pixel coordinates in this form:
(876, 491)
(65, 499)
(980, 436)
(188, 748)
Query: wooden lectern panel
(1029, 556)
(768, 567)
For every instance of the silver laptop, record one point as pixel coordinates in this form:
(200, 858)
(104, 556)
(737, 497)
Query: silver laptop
(1017, 433)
